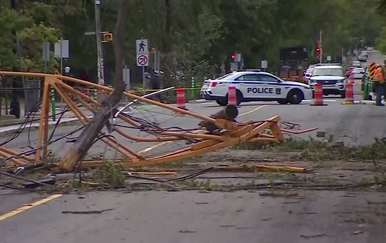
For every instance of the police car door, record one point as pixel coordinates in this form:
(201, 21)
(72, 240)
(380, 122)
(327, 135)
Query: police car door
(251, 86)
(273, 85)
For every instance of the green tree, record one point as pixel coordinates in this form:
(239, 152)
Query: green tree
(30, 35)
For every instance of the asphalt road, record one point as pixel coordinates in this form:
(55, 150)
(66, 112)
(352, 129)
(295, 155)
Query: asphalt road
(323, 217)
(375, 56)
(164, 217)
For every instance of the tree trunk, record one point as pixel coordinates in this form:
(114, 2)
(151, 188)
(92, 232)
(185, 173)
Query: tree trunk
(92, 130)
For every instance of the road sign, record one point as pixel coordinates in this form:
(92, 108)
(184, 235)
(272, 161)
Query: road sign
(46, 52)
(328, 58)
(126, 77)
(62, 49)
(264, 64)
(90, 33)
(142, 60)
(142, 47)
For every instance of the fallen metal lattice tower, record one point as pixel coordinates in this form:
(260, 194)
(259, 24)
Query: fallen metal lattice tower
(214, 132)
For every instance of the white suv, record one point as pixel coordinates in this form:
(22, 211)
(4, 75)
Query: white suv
(331, 77)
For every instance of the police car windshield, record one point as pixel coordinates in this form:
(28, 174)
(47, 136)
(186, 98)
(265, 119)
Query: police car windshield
(327, 72)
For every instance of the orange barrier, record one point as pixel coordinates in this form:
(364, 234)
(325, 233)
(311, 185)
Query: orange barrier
(349, 94)
(181, 101)
(232, 98)
(352, 80)
(318, 95)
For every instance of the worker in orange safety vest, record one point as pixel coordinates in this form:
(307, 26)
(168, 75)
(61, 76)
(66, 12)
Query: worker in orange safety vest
(379, 83)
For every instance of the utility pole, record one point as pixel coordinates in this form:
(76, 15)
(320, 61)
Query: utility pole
(98, 32)
(321, 46)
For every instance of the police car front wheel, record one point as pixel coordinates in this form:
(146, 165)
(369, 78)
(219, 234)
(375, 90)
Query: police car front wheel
(295, 96)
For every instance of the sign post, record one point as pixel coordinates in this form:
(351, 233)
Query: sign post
(264, 64)
(142, 49)
(126, 77)
(62, 51)
(238, 61)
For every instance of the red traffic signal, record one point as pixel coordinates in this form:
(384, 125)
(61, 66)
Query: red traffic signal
(233, 56)
(318, 49)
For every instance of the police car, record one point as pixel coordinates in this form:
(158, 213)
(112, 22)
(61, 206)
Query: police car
(255, 86)
(332, 78)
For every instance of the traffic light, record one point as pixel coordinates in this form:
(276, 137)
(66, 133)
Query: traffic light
(107, 36)
(233, 56)
(318, 52)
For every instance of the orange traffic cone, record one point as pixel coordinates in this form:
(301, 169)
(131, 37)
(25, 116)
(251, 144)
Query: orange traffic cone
(232, 98)
(318, 95)
(352, 80)
(349, 94)
(181, 101)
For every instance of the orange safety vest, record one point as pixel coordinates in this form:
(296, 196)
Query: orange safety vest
(379, 74)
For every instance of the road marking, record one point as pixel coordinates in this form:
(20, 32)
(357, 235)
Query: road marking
(29, 206)
(167, 142)
(253, 110)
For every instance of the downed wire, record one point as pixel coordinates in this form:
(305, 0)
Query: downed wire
(32, 151)
(11, 187)
(178, 179)
(23, 179)
(28, 120)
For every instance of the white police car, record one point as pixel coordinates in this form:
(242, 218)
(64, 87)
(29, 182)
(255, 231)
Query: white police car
(255, 86)
(331, 77)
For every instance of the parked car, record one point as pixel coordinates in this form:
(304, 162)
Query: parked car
(358, 73)
(362, 57)
(356, 64)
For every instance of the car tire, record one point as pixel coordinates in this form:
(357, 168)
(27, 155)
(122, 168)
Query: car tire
(295, 97)
(222, 102)
(239, 97)
(313, 94)
(282, 102)
(343, 94)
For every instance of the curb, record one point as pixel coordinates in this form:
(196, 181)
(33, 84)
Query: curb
(363, 102)
(36, 127)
